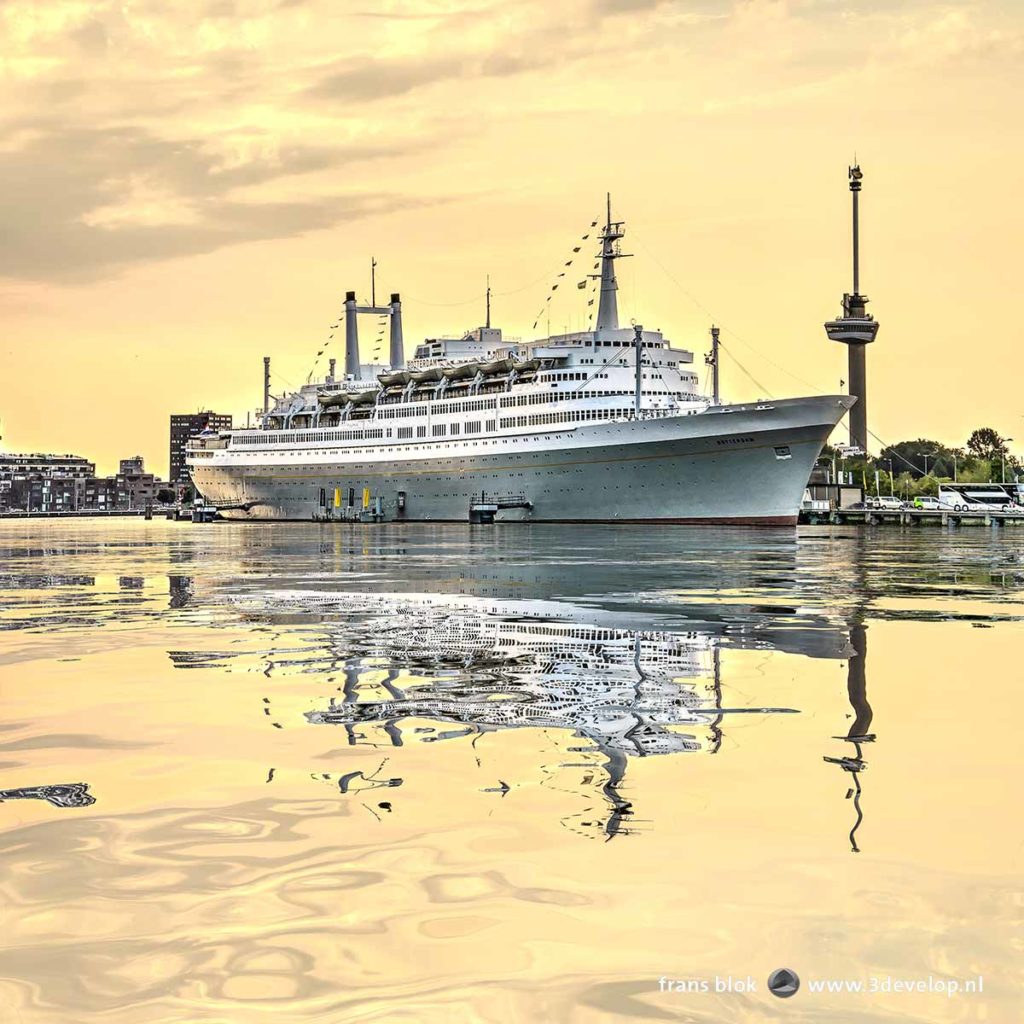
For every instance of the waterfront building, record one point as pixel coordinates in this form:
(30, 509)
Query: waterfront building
(37, 463)
(185, 426)
(135, 488)
(45, 494)
(100, 493)
(43, 482)
(831, 490)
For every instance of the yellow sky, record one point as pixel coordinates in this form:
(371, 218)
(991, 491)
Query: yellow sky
(187, 187)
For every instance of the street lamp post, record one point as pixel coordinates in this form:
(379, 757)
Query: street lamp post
(892, 482)
(1002, 459)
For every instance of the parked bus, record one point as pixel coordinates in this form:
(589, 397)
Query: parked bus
(979, 497)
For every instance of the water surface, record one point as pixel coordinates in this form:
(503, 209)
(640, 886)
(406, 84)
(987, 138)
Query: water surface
(343, 773)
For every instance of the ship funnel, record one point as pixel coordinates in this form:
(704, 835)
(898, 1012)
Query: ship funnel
(397, 345)
(351, 335)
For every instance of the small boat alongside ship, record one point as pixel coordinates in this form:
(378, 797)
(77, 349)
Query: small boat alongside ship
(602, 425)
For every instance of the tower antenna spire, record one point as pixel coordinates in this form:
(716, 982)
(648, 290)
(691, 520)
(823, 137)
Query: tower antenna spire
(373, 281)
(488, 324)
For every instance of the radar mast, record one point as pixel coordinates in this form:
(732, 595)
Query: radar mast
(608, 308)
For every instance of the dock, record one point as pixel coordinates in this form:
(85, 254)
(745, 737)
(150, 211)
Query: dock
(909, 517)
(84, 513)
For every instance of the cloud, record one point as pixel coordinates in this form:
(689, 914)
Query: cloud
(957, 35)
(82, 203)
(186, 104)
(364, 80)
(92, 36)
(473, 43)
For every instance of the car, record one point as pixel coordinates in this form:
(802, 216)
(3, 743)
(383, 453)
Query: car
(931, 504)
(886, 502)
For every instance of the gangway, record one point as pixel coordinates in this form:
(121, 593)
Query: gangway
(484, 507)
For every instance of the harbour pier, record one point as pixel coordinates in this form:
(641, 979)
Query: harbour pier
(909, 517)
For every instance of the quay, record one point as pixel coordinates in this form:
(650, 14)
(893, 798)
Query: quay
(909, 517)
(83, 513)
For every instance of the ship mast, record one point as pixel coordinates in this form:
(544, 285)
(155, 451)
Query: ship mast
(608, 307)
(638, 338)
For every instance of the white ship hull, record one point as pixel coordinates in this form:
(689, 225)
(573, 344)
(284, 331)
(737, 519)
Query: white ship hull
(743, 464)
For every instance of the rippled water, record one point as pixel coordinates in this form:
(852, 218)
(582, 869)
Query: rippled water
(457, 774)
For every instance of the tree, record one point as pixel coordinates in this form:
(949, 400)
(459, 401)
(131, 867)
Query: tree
(909, 456)
(985, 443)
(165, 496)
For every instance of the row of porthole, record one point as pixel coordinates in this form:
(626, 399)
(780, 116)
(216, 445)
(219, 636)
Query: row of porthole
(356, 470)
(502, 476)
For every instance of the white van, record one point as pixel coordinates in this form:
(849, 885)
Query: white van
(886, 502)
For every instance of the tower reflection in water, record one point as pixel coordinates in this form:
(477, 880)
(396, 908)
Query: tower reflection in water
(484, 665)
(858, 733)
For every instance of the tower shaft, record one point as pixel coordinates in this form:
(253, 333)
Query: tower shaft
(858, 377)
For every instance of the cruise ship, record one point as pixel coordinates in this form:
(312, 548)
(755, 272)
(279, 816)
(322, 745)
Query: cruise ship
(602, 425)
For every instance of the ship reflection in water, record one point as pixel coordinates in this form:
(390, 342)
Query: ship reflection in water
(485, 665)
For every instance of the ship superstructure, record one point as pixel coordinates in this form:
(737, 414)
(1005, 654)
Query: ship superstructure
(598, 425)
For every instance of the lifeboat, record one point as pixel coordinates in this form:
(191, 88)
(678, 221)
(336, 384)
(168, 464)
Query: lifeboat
(435, 373)
(463, 372)
(363, 398)
(346, 398)
(497, 366)
(390, 380)
(332, 398)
